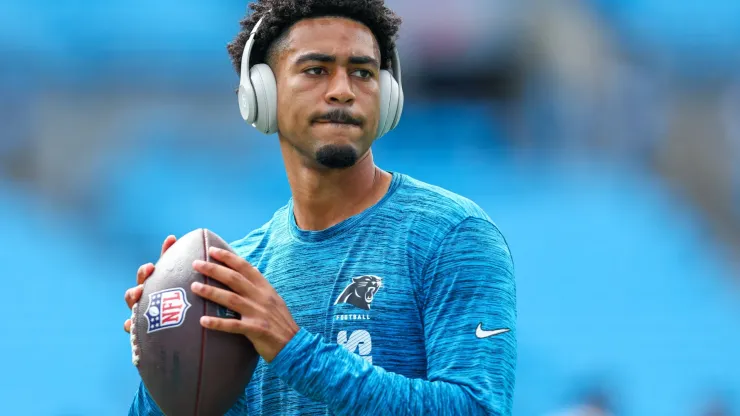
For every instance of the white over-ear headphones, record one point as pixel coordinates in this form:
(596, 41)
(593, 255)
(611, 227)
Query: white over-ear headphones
(258, 93)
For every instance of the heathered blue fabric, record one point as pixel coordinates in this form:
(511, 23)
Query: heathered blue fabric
(444, 268)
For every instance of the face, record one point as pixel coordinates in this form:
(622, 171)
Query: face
(328, 90)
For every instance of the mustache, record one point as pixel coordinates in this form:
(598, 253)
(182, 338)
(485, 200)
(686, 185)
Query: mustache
(339, 115)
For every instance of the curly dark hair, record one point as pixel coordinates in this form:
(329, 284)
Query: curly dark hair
(283, 14)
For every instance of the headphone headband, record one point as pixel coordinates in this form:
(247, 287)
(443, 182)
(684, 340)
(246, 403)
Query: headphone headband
(248, 50)
(396, 66)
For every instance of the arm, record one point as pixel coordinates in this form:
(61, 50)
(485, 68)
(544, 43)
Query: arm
(469, 281)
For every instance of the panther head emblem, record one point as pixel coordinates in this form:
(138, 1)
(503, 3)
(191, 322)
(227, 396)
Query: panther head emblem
(361, 291)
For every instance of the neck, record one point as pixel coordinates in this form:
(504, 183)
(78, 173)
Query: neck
(325, 197)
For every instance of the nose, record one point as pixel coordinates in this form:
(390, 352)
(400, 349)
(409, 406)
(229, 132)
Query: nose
(340, 89)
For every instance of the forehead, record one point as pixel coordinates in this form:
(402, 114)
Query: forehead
(332, 35)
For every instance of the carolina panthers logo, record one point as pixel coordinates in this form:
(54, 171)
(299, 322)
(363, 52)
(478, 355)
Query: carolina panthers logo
(361, 291)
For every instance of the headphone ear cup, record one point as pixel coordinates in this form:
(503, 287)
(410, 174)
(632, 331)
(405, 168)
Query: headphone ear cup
(386, 81)
(265, 93)
(247, 101)
(399, 107)
(392, 106)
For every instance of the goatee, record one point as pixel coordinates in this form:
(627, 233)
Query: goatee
(336, 157)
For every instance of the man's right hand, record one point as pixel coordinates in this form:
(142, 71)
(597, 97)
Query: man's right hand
(134, 294)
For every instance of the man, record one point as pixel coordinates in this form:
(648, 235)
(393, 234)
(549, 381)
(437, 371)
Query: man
(370, 292)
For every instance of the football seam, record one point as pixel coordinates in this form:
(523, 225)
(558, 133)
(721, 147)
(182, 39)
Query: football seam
(202, 331)
(135, 353)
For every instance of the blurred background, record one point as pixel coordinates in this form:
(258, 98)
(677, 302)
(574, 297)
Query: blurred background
(603, 137)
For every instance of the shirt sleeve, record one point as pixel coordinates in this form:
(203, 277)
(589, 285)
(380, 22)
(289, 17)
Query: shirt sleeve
(469, 317)
(143, 405)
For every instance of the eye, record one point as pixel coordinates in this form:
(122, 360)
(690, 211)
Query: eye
(363, 73)
(315, 71)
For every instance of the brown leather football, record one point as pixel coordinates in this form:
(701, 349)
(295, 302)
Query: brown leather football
(187, 369)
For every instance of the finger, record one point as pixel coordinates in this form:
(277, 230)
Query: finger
(232, 326)
(168, 242)
(127, 325)
(230, 277)
(133, 295)
(235, 262)
(235, 302)
(144, 272)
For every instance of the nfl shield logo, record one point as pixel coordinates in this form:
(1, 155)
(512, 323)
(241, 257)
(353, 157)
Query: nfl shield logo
(166, 309)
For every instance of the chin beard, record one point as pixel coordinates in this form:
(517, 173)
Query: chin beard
(336, 157)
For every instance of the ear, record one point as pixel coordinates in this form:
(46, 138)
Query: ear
(357, 279)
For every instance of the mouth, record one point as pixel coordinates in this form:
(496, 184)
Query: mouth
(369, 294)
(336, 123)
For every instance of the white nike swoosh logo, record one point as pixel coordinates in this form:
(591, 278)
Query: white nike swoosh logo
(481, 333)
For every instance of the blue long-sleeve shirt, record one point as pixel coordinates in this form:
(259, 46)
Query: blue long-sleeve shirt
(397, 307)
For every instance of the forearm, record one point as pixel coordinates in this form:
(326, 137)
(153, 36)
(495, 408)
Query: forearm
(347, 384)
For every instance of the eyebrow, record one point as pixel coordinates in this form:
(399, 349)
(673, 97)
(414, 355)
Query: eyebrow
(322, 57)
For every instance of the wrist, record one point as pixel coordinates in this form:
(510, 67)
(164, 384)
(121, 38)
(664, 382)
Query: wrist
(278, 344)
(294, 350)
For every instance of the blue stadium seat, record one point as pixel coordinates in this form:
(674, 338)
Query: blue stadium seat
(64, 348)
